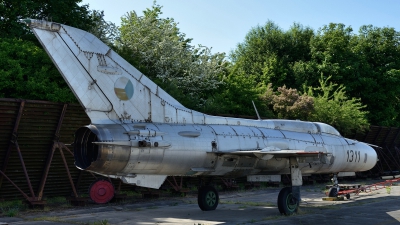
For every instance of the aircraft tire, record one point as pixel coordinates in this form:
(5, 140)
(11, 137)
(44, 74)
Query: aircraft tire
(207, 198)
(333, 192)
(287, 204)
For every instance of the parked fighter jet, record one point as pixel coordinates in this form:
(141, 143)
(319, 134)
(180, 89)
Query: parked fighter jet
(140, 134)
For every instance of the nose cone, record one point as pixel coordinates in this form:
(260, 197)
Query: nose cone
(370, 158)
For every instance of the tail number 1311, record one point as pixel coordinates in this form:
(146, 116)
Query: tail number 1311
(353, 156)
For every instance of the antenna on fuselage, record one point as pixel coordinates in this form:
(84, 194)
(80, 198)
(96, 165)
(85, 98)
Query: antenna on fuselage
(256, 110)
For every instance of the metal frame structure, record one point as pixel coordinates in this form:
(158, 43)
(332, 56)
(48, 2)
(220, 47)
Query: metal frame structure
(388, 140)
(34, 125)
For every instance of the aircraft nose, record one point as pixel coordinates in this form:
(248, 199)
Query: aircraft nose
(370, 157)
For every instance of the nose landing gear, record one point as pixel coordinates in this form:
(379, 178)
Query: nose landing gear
(334, 190)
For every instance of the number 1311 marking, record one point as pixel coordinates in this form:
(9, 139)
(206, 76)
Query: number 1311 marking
(353, 156)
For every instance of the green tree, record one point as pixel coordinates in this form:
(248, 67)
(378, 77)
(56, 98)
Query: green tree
(378, 79)
(164, 53)
(331, 53)
(66, 12)
(268, 53)
(27, 72)
(106, 31)
(367, 64)
(235, 97)
(333, 107)
(327, 103)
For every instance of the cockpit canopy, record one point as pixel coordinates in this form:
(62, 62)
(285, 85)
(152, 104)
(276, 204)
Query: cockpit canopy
(301, 126)
(328, 129)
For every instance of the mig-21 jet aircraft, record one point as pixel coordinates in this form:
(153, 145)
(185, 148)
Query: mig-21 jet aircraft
(140, 134)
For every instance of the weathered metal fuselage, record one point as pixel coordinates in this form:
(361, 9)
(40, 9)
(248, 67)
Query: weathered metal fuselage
(177, 149)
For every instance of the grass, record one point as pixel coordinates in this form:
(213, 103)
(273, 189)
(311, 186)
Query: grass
(58, 219)
(329, 207)
(56, 200)
(66, 205)
(269, 204)
(100, 222)
(258, 203)
(194, 189)
(272, 217)
(190, 201)
(388, 189)
(48, 218)
(241, 187)
(11, 212)
(174, 204)
(13, 203)
(228, 202)
(130, 193)
(11, 208)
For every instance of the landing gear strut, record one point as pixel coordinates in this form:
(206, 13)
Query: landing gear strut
(334, 190)
(289, 197)
(207, 198)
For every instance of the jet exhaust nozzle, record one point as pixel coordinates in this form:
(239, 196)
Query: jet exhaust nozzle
(107, 159)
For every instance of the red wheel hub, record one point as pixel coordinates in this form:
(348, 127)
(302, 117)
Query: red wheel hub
(101, 191)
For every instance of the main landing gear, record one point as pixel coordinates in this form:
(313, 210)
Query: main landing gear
(287, 203)
(207, 198)
(289, 197)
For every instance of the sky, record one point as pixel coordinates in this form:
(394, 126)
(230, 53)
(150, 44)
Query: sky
(222, 24)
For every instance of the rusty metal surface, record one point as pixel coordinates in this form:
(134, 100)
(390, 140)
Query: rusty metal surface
(37, 132)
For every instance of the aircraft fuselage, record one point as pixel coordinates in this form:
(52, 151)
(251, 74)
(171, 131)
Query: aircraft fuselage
(179, 149)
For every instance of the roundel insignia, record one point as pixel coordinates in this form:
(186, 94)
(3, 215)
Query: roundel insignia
(123, 88)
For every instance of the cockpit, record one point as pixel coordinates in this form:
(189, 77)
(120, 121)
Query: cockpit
(328, 129)
(301, 126)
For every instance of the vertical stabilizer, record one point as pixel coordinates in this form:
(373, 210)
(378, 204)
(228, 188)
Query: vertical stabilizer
(109, 88)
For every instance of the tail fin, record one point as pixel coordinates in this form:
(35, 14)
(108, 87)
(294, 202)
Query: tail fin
(109, 88)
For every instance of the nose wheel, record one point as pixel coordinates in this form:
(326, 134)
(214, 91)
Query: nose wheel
(101, 191)
(334, 190)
